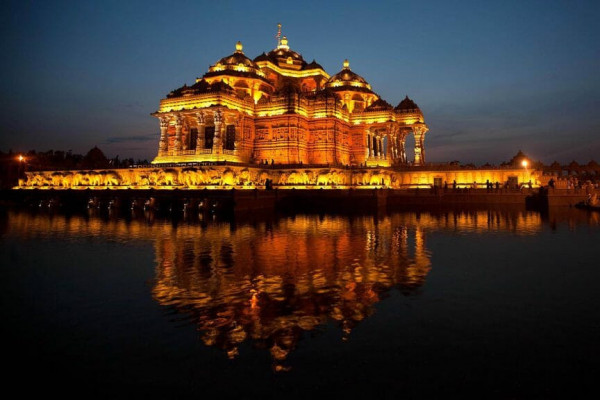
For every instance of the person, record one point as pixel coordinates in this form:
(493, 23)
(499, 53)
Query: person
(551, 183)
(454, 185)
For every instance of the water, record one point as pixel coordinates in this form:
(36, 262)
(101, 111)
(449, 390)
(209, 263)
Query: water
(494, 304)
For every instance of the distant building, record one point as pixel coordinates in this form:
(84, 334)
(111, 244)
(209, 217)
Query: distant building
(277, 108)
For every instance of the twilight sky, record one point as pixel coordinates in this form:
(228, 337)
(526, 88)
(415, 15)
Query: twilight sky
(490, 77)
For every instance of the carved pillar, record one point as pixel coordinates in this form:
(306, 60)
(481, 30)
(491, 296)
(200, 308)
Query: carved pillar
(185, 136)
(163, 146)
(178, 126)
(402, 147)
(394, 142)
(419, 133)
(200, 118)
(237, 135)
(368, 150)
(217, 144)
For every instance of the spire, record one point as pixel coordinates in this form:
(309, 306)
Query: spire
(278, 36)
(239, 47)
(346, 64)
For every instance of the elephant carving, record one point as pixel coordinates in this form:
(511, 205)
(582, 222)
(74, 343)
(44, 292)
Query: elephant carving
(227, 178)
(243, 177)
(191, 177)
(170, 177)
(110, 178)
(323, 178)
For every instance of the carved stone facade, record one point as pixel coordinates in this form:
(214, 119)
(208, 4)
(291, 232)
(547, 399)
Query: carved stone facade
(277, 108)
(247, 177)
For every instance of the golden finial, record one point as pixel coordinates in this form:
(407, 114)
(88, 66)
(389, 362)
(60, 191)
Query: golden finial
(284, 41)
(238, 47)
(346, 64)
(278, 36)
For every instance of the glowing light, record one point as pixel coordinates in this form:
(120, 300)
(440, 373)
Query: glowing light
(524, 163)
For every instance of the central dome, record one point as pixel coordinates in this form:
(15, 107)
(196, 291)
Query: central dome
(283, 56)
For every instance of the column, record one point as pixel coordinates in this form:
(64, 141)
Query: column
(185, 136)
(402, 147)
(201, 120)
(419, 133)
(368, 150)
(163, 146)
(390, 148)
(238, 134)
(217, 144)
(178, 126)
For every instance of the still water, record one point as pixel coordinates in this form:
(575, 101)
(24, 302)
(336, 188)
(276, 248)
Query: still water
(494, 304)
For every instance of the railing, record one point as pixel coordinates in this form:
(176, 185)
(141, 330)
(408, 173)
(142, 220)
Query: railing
(229, 152)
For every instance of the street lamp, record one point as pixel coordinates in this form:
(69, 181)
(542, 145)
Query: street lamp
(525, 163)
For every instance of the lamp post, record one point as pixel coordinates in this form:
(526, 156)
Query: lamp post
(525, 163)
(21, 169)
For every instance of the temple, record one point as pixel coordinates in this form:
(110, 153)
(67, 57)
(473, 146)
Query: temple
(277, 108)
(312, 129)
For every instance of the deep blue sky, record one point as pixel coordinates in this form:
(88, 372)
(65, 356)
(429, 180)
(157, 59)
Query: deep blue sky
(490, 77)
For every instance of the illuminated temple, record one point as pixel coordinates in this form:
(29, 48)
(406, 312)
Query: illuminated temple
(279, 121)
(277, 108)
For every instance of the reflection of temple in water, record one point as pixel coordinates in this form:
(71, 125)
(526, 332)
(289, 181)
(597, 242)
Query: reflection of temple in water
(268, 282)
(272, 282)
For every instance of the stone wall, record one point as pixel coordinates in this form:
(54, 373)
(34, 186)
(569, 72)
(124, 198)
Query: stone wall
(224, 176)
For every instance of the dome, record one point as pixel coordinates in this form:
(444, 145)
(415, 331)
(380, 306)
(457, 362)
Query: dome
(283, 56)
(237, 58)
(313, 65)
(407, 105)
(348, 80)
(200, 87)
(236, 64)
(379, 105)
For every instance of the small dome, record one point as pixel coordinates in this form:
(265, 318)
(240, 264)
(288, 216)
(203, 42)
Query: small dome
(407, 105)
(237, 58)
(236, 64)
(313, 65)
(348, 80)
(202, 86)
(379, 105)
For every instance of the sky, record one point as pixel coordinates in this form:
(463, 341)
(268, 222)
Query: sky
(491, 78)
